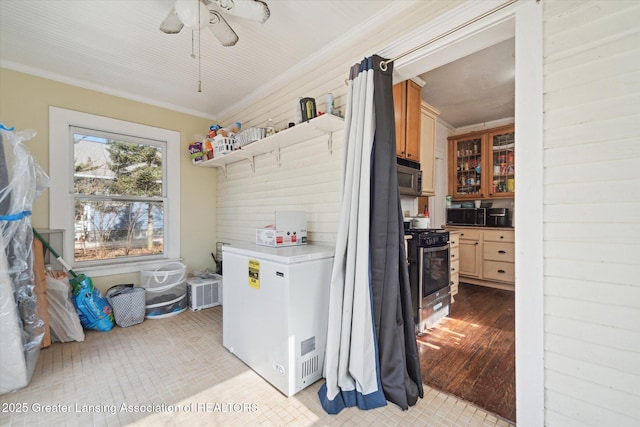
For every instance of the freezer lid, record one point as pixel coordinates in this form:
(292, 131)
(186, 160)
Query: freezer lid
(283, 255)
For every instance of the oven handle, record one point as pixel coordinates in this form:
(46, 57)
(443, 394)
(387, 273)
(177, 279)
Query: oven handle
(433, 249)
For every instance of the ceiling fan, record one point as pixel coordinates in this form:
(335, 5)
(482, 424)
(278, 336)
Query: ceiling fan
(197, 14)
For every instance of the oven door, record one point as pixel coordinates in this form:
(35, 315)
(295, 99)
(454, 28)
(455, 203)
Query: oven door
(434, 272)
(434, 286)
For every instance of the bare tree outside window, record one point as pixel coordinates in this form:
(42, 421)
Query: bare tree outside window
(118, 186)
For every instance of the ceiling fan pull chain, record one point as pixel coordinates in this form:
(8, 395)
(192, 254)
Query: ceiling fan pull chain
(199, 56)
(193, 53)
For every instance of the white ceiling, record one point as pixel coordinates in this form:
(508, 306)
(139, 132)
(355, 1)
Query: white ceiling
(475, 89)
(115, 46)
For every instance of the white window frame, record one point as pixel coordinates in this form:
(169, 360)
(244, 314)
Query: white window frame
(61, 195)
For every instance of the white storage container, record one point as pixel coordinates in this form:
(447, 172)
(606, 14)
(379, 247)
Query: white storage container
(166, 290)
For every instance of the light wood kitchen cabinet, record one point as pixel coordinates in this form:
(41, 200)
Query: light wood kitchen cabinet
(501, 180)
(407, 97)
(498, 255)
(486, 256)
(454, 256)
(429, 115)
(470, 252)
(481, 164)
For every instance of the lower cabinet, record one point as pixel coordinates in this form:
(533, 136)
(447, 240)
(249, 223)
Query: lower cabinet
(454, 258)
(486, 256)
(470, 252)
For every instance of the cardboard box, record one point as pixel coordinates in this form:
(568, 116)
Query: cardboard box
(290, 229)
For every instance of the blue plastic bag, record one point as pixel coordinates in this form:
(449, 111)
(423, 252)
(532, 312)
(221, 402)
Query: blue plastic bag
(94, 310)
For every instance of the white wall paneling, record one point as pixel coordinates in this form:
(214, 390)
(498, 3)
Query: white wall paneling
(591, 198)
(314, 79)
(308, 178)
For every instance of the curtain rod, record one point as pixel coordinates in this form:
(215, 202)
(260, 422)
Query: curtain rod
(383, 64)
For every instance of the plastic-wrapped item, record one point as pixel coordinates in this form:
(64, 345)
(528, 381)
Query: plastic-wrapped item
(21, 182)
(63, 318)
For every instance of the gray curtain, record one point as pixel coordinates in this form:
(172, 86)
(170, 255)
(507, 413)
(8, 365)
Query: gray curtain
(371, 353)
(397, 347)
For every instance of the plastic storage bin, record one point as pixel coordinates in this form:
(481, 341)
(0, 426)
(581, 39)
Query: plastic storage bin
(166, 290)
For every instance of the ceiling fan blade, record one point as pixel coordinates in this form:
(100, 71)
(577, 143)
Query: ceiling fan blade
(221, 30)
(171, 24)
(251, 9)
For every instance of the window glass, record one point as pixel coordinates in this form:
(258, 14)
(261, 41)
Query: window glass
(118, 196)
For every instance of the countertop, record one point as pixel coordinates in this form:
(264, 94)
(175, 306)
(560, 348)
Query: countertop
(477, 227)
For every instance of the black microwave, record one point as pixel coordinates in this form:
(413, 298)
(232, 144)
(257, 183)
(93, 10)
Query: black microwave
(467, 216)
(409, 177)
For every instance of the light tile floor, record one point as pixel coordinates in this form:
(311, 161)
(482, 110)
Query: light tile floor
(175, 371)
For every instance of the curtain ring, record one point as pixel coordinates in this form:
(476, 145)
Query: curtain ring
(383, 65)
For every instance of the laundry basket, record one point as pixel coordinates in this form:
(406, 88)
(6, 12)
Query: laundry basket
(129, 304)
(166, 290)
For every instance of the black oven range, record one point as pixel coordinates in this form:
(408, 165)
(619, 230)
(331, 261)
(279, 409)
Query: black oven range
(429, 276)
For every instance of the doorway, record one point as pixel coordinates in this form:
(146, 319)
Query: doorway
(471, 353)
(524, 20)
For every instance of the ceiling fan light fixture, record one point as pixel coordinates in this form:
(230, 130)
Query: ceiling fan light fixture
(193, 13)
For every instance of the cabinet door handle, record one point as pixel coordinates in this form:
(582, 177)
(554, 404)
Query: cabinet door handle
(501, 271)
(461, 234)
(476, 243)
(409, 155)
(502, 237)
(453, 269)
(453, 255)
(501, 252)
(453, 242)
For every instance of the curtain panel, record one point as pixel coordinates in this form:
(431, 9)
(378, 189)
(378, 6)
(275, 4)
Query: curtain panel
(371, 353)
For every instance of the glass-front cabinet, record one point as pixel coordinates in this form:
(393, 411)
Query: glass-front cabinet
(481, 164)
(502, 181)
(466, 179)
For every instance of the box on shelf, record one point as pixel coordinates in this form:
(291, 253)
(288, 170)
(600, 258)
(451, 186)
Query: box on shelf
(290, 229)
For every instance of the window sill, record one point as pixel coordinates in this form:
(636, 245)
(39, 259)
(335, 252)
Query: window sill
(124, 268)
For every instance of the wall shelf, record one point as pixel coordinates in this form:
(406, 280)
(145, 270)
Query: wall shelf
(325, 124)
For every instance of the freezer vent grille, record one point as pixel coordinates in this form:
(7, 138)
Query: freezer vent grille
(307, 346)
(310, 367)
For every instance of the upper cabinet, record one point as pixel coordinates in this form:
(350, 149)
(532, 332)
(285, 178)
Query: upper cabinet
(481, 164)
(502, 180)
(428, 118)
(406, 102)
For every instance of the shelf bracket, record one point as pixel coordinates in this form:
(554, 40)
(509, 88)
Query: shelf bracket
(224, 170)
(330, 143)
(252, 163)
(278, 156)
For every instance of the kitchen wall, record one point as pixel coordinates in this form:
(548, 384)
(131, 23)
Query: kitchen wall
(25, 104)
(309, 177)
(591, 205)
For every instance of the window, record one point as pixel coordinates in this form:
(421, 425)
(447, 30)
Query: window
(115, 192)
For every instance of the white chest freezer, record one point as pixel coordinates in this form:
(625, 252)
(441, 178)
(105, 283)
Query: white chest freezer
(275, 307)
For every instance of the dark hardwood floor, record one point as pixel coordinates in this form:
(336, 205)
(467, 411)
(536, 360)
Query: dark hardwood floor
(471, 353)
